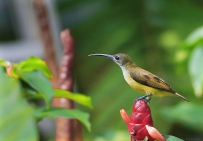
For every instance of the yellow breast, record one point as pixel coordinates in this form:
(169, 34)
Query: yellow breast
(142, 88)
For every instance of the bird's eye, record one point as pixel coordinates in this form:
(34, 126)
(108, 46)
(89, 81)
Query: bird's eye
(117, 58)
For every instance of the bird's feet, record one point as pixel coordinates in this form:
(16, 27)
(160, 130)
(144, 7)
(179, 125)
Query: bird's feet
(146, 98)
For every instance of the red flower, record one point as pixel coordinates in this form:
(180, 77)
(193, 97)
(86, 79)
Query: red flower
(140, 124)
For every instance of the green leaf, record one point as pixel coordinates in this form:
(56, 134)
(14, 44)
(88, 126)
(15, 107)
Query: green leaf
(34, 63)
(31, 94)
(195, 38)
(16, 116)
(38, 113)
(185, 114)
(172, 138)
(196, 70)
(79, 98)
(2, 62)
(40, 83)
(72, 114)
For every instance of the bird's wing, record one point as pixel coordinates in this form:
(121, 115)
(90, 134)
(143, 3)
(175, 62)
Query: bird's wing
(148, 79)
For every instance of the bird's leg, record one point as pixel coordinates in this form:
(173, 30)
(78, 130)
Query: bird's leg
(140, 98)
(147, 98)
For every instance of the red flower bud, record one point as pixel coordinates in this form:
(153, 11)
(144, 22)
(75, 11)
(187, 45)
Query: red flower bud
(154, 133)
(140, 124)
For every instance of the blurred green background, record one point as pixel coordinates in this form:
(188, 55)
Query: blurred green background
(160, 37)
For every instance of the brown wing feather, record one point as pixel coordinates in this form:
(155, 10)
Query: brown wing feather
(148, 79)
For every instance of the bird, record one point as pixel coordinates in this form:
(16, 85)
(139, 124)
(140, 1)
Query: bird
(141, 80)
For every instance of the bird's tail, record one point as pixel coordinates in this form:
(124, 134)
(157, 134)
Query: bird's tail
(182, 97)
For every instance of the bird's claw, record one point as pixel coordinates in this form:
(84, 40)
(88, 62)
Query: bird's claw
(146, 98)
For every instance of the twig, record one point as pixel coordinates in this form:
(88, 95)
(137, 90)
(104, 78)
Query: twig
(64, 128)
(45, 31)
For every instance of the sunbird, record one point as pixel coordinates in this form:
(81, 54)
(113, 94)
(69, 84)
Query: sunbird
(141, 80)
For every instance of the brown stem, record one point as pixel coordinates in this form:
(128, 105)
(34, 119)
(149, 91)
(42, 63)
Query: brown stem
(64, 128)
(45, 31)
(67, 129)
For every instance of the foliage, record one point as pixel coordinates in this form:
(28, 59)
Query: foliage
(186, 113)
(16, 115)
(196, 70)
(194, 44)
(172, 138)
(168, 138)
(79, 98)
(191, 51)
(26, 81)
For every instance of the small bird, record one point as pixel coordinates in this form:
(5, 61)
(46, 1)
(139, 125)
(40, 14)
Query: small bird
(140, 79)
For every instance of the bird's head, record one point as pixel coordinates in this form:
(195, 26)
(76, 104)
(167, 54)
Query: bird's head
(120, 58)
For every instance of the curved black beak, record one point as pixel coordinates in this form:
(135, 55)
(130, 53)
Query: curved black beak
(101, 54)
